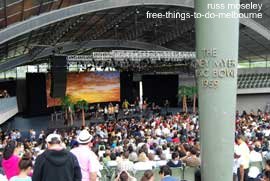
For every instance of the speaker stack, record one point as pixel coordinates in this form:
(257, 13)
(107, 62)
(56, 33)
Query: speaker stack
(58, 76)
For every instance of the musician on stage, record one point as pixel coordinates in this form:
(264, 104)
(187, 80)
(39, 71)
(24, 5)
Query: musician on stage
(105, 113)
(116, 111)
(145, 105)
(137, 104)
(110, 109)
(98, 110)
(125, 104)
(167, 105)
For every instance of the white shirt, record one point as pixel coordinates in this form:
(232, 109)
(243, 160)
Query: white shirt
(143, 166)
(266, 132)
(255, 156)
(244, 152)
(236, 164)
(112, 163)
(158, 132)
(161, 163)
(166, 131)
(3, 178)
(125, 164)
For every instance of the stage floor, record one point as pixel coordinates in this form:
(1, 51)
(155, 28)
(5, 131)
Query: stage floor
(44, 122)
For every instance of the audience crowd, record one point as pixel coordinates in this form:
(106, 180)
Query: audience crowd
(130, 145)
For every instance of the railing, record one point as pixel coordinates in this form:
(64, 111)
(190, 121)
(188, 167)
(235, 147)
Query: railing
(8, 108)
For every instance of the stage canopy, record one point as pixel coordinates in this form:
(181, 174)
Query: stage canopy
(32, 30)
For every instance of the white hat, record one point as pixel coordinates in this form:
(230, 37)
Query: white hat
(84, 137)
(51, 136)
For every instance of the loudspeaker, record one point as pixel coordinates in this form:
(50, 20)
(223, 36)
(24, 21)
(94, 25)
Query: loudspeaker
(36, 93)
(58, 76)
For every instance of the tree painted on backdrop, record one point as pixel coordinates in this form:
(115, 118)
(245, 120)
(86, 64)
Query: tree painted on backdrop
(188, 92)
(82, 105)
(68, 107)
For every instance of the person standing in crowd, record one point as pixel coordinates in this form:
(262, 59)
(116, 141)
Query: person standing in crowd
(56, 163)
(166, 174)
(88, 161)
(11, 159)
(237, 161)
(25, 166)
(244, 154)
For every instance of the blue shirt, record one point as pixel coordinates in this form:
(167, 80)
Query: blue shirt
(16, 178)
(169, 178)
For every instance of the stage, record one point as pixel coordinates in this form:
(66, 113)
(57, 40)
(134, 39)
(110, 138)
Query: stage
(44, 122)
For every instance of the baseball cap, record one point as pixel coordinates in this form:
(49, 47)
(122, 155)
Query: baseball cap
(52, 136)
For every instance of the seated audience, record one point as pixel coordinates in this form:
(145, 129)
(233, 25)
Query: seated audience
(254, 156)
(133, 144)
(266, 176)
(191, 159)
(266, 169)
(25, 166)
(124, 176)
(11, 158)
(143, 163)
(166, 174)
(125, 164)
(175, 162)
(148, 176)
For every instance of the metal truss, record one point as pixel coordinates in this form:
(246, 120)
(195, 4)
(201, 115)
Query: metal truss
(70, 46)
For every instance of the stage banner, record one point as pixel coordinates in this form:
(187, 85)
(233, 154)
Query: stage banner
(93, 87)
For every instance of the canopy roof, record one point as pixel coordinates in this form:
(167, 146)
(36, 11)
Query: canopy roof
(125, 21)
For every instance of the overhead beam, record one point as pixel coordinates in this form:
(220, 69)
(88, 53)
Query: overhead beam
(257, 27)
(44, 19)
(70, 46)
